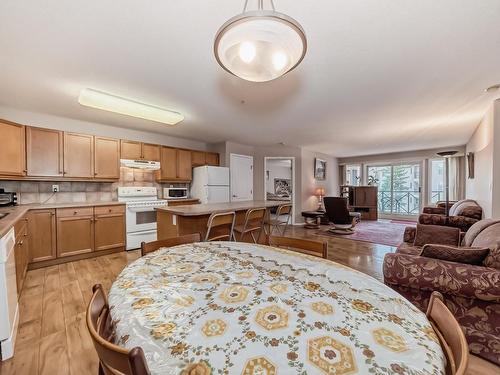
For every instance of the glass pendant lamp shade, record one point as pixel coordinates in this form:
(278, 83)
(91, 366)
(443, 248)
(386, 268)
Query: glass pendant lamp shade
(260, 45)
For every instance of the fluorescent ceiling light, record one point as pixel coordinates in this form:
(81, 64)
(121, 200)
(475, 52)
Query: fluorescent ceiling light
(109, 102)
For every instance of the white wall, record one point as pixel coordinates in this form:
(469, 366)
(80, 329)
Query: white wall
(277, 169)
(310, 184)
(61, 123)
(485, 144)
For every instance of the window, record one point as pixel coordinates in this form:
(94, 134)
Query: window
(352, 175)
(437, 180)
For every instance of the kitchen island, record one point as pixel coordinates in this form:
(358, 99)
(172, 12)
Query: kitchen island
(180, 220)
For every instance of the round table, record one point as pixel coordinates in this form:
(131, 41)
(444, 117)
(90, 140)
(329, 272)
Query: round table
(237, 308)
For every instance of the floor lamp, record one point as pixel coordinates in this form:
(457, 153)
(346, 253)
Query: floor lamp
(447, 155)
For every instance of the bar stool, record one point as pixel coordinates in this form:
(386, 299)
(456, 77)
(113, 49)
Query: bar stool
(281, 219)
(219, 222)
(254, 221)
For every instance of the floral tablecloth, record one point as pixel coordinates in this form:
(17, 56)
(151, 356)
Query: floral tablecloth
(236, 308)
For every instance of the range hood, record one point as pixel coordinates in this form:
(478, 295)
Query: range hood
(140, 164)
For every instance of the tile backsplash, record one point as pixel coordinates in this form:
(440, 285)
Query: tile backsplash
(41, 191)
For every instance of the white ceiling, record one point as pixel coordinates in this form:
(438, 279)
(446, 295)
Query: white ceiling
(379, 75)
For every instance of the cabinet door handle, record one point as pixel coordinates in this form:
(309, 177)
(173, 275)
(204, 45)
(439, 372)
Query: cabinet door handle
(75, 212)
(21, 243)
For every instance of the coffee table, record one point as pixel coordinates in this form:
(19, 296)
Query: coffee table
(312, 219)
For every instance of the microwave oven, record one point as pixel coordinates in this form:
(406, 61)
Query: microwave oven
(7, 198)
(175, 193)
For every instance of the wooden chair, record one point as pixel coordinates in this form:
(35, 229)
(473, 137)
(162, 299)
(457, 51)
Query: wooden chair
(310, 247)
(281, 219)
(149, 247)
(113, 359)
(254, 221)
(450, 335)
(219, 222)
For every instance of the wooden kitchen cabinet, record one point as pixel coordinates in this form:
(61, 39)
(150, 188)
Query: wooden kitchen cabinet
(212, 158)
(134, 150)
(42, 229)
(12, 150)
(150, 152)
(175, 165)
(106, 158)
(44, 152)
(109, 227)
(21, 252)
(184, 167)
(198, 158)
(131, 150)
(75, 231)
(78, 155)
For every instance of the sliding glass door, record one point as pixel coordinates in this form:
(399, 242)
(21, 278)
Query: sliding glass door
(399, 192)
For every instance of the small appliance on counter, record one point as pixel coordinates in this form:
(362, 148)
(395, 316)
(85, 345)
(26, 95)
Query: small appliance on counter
(7, 198)
(172, 192)
(210, 184)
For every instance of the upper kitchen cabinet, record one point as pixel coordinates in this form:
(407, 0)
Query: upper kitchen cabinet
(212, 158)
(175, 165)
(106, 158)
(151, 152)
(133, 150)
(44, 152)
(204, 158)
(78, 155)
(12, 151)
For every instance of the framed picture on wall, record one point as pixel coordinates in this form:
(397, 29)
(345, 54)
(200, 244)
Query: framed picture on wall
(319, 169)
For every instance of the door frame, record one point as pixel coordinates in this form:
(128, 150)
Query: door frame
(231, 155)
(294, 190)
(423, 188)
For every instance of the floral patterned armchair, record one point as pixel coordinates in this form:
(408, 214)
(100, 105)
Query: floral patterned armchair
(471, 291)
(462, 214)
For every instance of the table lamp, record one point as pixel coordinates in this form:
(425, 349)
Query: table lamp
(320, 193)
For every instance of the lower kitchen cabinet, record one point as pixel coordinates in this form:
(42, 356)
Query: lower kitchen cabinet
(75, 231)
(21, 254)
(42, 229)
(109, 227)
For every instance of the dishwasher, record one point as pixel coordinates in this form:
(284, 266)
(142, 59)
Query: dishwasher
(9, 317)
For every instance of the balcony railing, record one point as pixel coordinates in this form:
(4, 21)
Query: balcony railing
(399, 202)
(437, 195)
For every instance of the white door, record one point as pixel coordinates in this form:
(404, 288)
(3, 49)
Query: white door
(241, 172)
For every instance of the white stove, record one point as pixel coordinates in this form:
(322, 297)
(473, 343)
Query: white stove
(140, 214)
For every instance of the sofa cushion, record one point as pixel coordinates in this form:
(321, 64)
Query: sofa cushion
(465, 255)
(426, 234)
(408, 248)
(493, 258)
(476, 229)
(457, 208)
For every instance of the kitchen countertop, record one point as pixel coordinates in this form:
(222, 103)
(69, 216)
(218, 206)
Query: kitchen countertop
(17, 212)
(207, 209)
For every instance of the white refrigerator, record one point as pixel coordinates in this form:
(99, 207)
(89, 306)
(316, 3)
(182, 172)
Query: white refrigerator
(210, 184)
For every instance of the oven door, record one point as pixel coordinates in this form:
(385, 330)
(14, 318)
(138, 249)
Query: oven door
(140, 219)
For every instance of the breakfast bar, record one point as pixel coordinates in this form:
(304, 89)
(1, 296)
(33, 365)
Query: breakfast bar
(180, 220)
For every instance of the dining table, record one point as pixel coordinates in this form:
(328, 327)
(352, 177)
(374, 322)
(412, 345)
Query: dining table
(239, 308)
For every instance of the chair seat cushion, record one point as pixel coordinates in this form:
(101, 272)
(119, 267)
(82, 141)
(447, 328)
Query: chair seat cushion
(466, 255)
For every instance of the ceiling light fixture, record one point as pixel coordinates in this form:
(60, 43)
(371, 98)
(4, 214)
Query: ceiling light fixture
(260, 45)
(113, 103)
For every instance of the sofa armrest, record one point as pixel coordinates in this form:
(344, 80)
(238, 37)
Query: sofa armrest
(409, 235)
(434, 210)
(427, 274)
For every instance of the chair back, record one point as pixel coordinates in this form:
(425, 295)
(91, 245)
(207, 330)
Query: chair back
(310, 247)
(450, 335)
(148, 247)
(284, 209)
(222, 224)
(336, 210)
(113, 359)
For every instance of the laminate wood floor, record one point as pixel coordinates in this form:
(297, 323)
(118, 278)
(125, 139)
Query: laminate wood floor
(52, 337)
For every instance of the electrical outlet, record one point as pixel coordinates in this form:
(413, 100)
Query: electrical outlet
(55, 188)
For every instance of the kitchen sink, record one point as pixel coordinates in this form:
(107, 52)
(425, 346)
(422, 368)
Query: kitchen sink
(2, 215)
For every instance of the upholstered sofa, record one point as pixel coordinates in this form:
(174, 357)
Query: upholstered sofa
(462, 214)
(471, 291)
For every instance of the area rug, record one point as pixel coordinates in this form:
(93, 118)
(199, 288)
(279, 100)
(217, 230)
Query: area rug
(379, 232)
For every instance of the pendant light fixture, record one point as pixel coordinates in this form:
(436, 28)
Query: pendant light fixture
(260, 45)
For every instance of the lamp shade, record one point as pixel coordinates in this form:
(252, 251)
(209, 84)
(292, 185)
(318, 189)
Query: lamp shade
(260, 45)
(320, 192)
